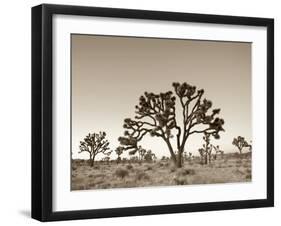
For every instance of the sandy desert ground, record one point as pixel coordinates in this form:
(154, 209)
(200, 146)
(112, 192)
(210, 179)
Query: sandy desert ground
(230, 169)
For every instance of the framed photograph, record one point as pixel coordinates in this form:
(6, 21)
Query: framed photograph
(145, 112)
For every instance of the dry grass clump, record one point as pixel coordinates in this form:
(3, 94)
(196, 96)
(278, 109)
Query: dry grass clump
(163, 164)
(238, 171)
(122, 173)
(173, 169)
(248, 176)
(129, 167)
(185, 172)
(182, 176)
(180, 180)
(148, 168)
(142, 176)
(248, 171)
(96, 167)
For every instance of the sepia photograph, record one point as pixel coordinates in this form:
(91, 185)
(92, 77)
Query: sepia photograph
(140, 112)
(149, 112)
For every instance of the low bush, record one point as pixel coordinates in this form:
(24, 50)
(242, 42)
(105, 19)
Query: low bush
(96, 167)
(185, 172)
(173, 169)
(129, 167)
(180, 180)
(122, 173)
(148, 168)
(248, 176)
(142, 176)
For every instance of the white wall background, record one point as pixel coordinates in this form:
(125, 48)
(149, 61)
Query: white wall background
(15, 119)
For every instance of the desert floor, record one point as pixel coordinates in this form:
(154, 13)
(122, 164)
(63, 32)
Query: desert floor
(229, 169)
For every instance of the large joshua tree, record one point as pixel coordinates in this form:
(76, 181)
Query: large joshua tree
(94, 144)
(156, 115)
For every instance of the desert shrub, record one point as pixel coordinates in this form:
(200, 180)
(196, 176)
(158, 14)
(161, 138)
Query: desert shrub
(129, 167)
(104, 186)
(74, 168)
(245, 165)
(99, 175)
(148, 168)
(173, 169)
(142, 176)
(163, 164)
(185, 172)
(160, 164)
(238, 161)
(248, 176)
(90, 175)
(96, 167)
(94, 184)
(180, 180)
(81, 187)
(122, 173)
(238, 171)
(211, 165)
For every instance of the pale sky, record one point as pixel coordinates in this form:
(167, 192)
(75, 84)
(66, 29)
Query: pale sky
(109, 74)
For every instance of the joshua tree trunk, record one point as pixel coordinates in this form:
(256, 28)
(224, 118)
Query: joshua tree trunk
(179, 160)
(240, 153)
(92, 161)
(206, 159)
(173, 156)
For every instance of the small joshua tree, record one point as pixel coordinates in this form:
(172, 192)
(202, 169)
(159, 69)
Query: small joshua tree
(94, 144)
(106, 159)
(190, 156)
(149, 156)
(250, 146)
(206, 151)
(202, 154)
(156, 115)
(187, 157)
(164, 158)
(217, 151)
(119, 152)
(240, 143)
(140, 151)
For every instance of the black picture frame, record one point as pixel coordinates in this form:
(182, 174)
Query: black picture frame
(42, 111)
